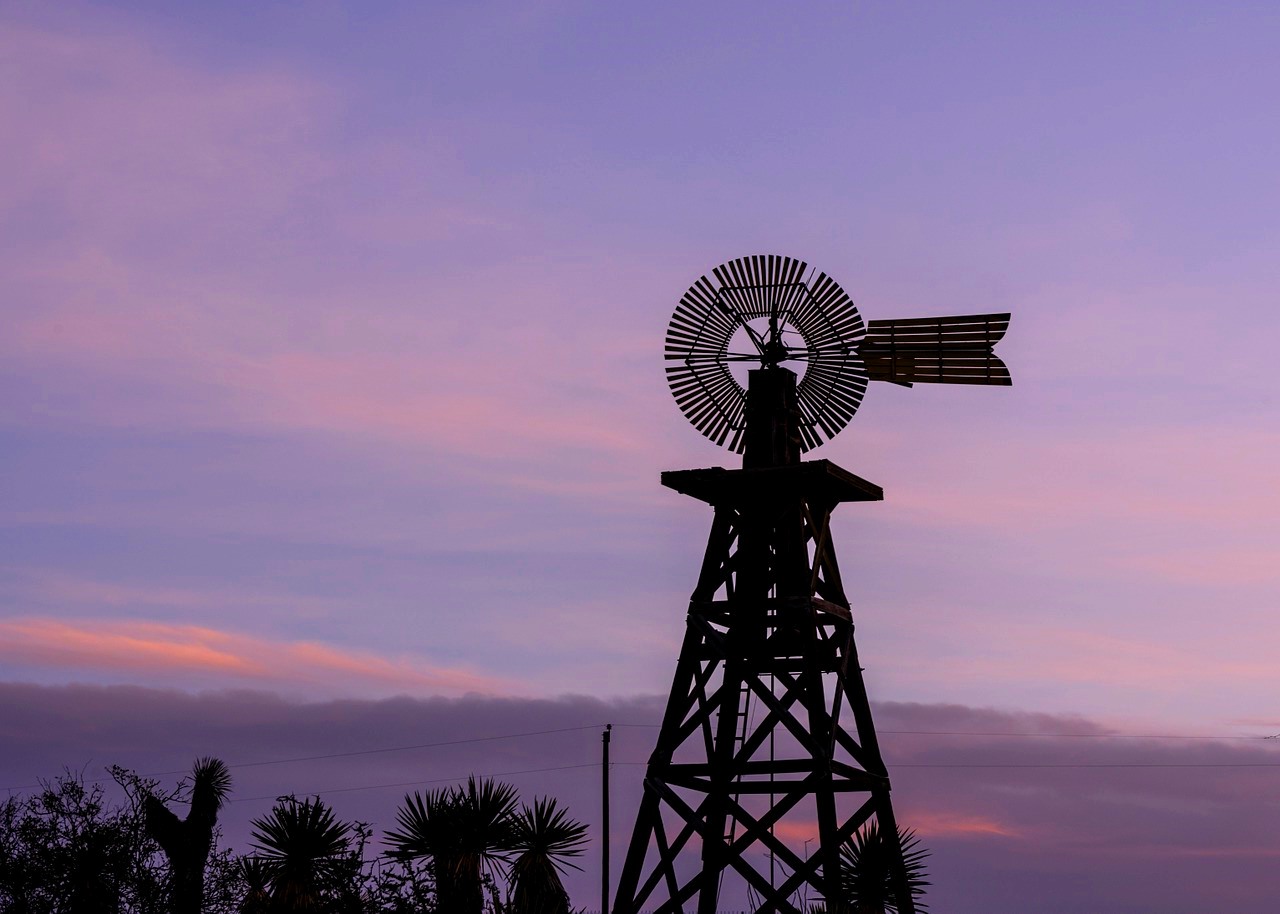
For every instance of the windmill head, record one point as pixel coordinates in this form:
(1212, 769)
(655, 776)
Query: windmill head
(767, 357)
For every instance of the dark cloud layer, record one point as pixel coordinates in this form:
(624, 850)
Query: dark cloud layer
(1023, 812)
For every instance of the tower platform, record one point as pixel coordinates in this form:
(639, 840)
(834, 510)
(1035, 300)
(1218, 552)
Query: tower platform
(810, 480)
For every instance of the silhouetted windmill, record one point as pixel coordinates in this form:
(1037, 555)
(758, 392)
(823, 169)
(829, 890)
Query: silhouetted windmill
(756, 744)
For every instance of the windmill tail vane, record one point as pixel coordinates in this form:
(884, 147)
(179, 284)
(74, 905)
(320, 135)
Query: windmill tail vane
(936, 350)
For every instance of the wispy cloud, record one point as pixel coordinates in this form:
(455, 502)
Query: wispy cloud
(163, 301)
(925, 823)
(942, 824)
(64, 590)
(191, 654)
(121, 135)
(1093, 474)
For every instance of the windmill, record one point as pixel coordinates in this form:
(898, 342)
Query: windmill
(768, 734)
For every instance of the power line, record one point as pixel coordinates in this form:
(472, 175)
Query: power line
(896, 766)
(1088, 764)
(1066, 735)
(953, 765)
(1031, 735)
(493, 774)
(450, 742)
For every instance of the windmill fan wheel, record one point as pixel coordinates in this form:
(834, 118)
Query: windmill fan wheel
(763, 311)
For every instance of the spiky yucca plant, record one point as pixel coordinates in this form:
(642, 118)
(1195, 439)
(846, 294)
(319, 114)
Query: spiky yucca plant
(466, 831)
(303, 849)
(186, 842)
(866, 869)
(543, 838)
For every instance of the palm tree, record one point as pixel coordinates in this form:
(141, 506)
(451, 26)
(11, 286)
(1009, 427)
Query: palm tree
(543, 836)
(465, 831)
(866, 869)
(304, 850)
(186, 842)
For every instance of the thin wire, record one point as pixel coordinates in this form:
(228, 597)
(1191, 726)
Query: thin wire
(1064, 735)
(895, 767)
(955, 765)
(1272, 738)
(1091, 764)
(451, 742)
(493, 774)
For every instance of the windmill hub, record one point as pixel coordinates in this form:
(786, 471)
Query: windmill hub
(774, 352)
(757, 345)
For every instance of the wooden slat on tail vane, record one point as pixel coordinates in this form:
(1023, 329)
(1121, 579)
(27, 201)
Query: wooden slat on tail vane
(936, 350)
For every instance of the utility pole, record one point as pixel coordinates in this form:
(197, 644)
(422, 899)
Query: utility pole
(604, 798)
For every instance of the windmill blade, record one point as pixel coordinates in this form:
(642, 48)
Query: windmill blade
(936, 350)
(810, 323)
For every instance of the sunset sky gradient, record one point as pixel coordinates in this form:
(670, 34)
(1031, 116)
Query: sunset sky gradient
(331, 372)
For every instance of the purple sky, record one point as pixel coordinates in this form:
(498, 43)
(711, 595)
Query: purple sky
(331, 370)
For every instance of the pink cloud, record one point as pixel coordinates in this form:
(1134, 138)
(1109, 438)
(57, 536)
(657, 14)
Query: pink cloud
(1245, 565)
(510, 405)
(1031, 652)
(122, 135)
(139, 646)
(1222, 476)
(931, 824)
(516, 414)
(796, 833)
(1207, 852)
(1178, 669)
(1089, 656)
(182, 154)
(449, 402)
(948, 824)
(58, 587)
(182, 654)
(158, 140)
